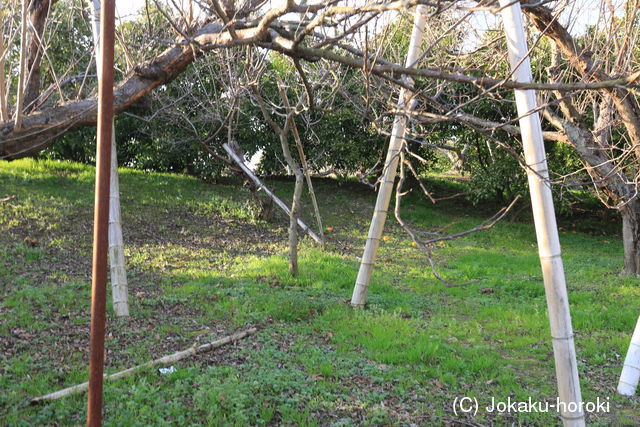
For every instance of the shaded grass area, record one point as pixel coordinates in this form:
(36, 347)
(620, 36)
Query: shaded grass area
(201, 267)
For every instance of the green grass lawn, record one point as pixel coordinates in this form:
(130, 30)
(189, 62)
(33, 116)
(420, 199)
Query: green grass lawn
(200, 267)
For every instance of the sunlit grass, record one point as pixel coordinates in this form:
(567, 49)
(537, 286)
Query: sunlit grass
(415, 347)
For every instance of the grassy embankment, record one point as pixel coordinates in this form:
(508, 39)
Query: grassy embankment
(200, 267)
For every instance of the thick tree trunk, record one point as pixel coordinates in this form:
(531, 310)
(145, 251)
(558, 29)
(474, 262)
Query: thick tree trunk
(40, 129)
(22, 73)
(631, 237)
(38, 13)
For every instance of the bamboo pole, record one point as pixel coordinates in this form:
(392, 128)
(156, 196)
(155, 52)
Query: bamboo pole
(390, 167)
(282, 205)
(570, 407)
(630, 375)
(79, 388)
(119, 285)
(22, 73)
(101, 213)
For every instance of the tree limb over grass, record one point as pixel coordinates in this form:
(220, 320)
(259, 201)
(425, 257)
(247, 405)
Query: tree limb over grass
(40, 129)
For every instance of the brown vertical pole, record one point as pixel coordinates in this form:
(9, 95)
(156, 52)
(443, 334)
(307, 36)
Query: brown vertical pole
(101, 213)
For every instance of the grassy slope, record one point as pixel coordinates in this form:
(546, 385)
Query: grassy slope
(199, 268)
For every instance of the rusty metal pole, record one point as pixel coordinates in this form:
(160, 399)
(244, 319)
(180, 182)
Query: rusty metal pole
(101, 213)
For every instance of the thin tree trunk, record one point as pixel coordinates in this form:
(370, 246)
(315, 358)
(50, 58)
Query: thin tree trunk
(630, 375)
(295, 203)
(307, 174)
(22, 70)
(631, 237)
(293, 220)
(292, 165)
(119, 285)
(4, 110)
(389, 173)
(303, 159)
(568, 381)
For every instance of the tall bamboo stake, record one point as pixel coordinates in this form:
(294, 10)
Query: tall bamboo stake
(389, 173)
(119, 285)
(101, 214)
(630, 375)
(545, 221)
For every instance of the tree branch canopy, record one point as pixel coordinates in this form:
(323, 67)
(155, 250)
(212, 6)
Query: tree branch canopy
(41, 128)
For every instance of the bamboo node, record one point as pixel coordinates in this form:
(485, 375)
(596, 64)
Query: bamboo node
(576, 417)
(570, 337)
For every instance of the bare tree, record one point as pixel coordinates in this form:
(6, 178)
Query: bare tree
(356, 35)
(588, 92)
(293, 165)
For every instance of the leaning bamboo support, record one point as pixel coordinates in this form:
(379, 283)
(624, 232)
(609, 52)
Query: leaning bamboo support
(282, 205)
(570, 407)
(118, 271)
(630, 375)
(389, 173)
(191, 351)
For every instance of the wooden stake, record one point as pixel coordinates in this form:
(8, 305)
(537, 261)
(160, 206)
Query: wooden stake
(79, 388)
(570, 407)
(396, 142)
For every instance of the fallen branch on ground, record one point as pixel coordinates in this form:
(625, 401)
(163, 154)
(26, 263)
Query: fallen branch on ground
(161, 361)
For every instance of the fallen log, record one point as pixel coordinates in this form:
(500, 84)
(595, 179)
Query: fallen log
(282, 205)
(79, 388)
